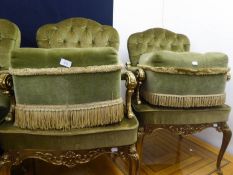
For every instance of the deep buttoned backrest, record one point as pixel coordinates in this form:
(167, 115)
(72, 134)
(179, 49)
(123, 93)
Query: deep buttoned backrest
(77, 33)
(153, 40)
(9, 39)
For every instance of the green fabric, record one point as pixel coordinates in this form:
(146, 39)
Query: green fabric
(184, 84)
(124, 133)
(78, 33)
(177, 84)
(4, 60)
(49, 58)
(4, 106)
(184, 59)
(153, 40)
(65, 89)
(9, 39)
(148, 114)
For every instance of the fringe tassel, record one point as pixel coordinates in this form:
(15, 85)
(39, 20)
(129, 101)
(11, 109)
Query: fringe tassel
(187, 71)
(47, 117)
(184, 101)
(63, 70)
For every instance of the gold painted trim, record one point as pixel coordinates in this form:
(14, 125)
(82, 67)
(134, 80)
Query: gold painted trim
(185, 101)
(130, 84)
(6, 82)
(63, 70)
(70, 158)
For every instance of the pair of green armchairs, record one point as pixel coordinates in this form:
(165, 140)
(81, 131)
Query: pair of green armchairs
(67, 107)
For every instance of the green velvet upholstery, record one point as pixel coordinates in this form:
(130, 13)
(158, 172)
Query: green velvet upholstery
(159, 47)
(172, 75)
(90, 45)
(68, 87)
(10, 38)
(123, 133)
(150, 114)
(78, 33)
(47, 58)
(153, 40)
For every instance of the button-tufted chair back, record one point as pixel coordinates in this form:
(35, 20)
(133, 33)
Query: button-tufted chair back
(77, 32)
(9, 39)
(155, 39)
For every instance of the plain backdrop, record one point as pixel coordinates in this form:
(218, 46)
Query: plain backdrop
(29, 15)
(208, 24)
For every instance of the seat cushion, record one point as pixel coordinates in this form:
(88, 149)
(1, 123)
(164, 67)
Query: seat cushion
(123, 133)
(4, 106)
(148, 114)
(184, 79)
(86, 94)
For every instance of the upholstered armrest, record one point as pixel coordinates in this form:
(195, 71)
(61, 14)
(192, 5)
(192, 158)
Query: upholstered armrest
(87, 94)
(140, 75)
(131, 83)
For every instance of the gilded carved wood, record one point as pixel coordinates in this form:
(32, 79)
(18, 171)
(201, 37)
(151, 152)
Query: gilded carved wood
(70, 158)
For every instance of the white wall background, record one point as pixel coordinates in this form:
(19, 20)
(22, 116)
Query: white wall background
(207, 23)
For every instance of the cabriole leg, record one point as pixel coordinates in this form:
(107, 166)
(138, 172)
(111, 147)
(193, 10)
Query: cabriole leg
(139, 146)
(224, 128)
(6, 169)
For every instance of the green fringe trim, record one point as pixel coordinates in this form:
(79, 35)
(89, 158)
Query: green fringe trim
(68, 117)
(63, 70)
(187, 71)
(184, 101)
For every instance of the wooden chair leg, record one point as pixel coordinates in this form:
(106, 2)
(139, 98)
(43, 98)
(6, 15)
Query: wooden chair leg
(134, 163)
(130, 166)
(5, 169)
(139, 146)
(224, 128)
(180, 138)
(134, 166)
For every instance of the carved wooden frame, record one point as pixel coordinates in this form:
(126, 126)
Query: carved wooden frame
(184, 130)
(69, 158)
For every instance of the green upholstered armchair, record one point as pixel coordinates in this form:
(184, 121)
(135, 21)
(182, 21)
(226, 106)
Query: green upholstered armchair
(9, 39)
(68, 105)
(177, 90)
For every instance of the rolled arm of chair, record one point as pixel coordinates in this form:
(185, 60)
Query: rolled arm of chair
(6, 83)
(130, 84)
(140, 75)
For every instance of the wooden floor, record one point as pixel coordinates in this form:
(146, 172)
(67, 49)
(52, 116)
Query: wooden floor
(164, 154)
